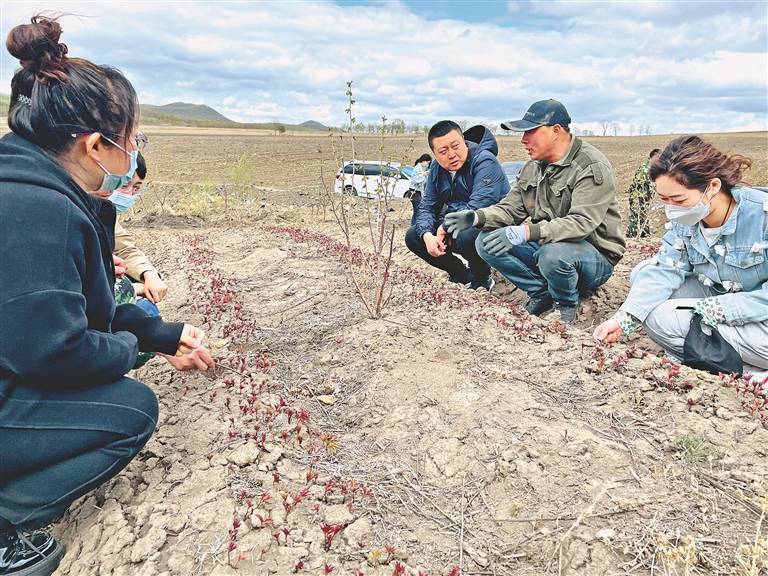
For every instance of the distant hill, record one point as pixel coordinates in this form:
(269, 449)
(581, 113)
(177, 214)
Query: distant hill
(186, 111)
(313, 125)
(186, 114)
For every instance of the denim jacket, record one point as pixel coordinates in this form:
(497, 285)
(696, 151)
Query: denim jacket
(736, 266)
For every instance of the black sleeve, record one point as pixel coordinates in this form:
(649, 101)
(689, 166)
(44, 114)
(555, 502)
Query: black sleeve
(152, 333)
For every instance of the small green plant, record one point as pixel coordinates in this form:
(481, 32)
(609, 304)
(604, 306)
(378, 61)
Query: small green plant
(696, 449)
(241, 176)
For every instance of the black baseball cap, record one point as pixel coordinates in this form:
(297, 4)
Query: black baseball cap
(541, 113)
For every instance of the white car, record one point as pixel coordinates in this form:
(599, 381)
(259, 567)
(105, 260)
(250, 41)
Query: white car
(371, 178)
(512, 170)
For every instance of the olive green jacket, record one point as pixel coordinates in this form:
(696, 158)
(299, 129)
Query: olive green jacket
(572, 199)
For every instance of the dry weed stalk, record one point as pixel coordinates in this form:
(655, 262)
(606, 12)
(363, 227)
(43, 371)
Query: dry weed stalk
(371, 282)
(753, 558)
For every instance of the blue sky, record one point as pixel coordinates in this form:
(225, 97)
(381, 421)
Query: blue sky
(675, 66)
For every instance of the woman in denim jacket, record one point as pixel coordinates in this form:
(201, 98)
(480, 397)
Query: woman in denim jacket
(713, 257)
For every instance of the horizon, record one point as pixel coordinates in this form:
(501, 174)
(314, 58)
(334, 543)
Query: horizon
(667, 67)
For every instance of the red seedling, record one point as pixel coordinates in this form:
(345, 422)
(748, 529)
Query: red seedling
(329, 532)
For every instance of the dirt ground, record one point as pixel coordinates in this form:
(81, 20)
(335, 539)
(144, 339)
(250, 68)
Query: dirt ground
(454, 435)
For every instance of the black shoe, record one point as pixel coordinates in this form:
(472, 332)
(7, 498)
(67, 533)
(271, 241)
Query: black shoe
(28, 553)
(566, 314)
(537, 306)
(486, 284)
(461, 280)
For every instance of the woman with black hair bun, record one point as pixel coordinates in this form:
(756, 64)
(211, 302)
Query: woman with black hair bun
(69, 418)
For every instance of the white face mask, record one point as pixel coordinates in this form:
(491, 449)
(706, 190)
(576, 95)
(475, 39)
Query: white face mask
(690, 215)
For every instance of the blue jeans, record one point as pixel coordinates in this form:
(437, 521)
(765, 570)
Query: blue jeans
(148, 307)
(465, 245)
(560, 270)
(58, 444)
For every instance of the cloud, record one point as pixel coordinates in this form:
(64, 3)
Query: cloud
(672, 65)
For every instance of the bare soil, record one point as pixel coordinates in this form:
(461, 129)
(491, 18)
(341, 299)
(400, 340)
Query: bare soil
(456, 432)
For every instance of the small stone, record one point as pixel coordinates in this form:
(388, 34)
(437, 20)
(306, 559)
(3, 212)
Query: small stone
(148, 545)
(357, 532)
(339, 514)
(327, 399)
(606, 534)
(724, 413)
(244, 455)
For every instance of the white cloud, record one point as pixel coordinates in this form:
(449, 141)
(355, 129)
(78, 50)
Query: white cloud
(673, 66)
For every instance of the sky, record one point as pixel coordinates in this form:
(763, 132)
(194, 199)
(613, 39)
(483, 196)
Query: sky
(675, 66)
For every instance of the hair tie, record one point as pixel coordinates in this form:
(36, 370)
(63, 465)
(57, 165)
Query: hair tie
(24, 99)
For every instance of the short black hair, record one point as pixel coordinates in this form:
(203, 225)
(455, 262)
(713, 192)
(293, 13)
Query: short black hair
(423, 158)
(654, 152)
(441, 129)
(141, 166)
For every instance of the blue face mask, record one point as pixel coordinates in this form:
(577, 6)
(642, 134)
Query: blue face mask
(122, 201)
(111, 181)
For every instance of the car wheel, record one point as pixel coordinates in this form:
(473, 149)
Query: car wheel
(350, 190)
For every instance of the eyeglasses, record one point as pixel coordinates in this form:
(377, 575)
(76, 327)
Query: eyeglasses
(141, 141)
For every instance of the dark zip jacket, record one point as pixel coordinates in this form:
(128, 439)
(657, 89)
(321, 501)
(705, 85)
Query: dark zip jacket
(480, 182)
(59, 326)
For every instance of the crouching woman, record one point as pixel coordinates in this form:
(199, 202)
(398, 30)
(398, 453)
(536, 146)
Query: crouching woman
(713, 260)
(69, 418)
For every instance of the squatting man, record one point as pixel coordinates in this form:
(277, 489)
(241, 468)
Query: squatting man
(557, 234)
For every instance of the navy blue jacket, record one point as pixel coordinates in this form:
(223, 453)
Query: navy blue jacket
(479, 183)
(59, 326)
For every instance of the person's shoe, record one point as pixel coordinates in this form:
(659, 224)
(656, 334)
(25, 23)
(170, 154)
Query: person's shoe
(461, 280)
(537, 306)
(29, 553)
(486, 284)
(566, 314)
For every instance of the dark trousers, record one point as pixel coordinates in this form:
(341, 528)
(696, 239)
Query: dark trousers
(58, 444)
(415, 201)
(478, 270)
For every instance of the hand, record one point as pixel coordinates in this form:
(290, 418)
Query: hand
(502, 240)
(710, 310)
(138, 288)
(198, 359)
(433, 244)
(119, 265)
(191, 338)
(455, 222)
(608, 332)
(154, 288)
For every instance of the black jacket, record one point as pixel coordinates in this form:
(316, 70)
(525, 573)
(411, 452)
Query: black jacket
(59, 326)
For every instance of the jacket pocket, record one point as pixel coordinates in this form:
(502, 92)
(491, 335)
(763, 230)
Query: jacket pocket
(562, 199)
(744, 258)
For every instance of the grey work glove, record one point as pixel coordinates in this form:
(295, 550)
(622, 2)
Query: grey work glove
(455, 222)
(502, 240)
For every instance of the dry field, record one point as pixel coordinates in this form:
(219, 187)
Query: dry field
(454, 435)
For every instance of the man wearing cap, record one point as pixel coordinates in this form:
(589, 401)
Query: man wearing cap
(557, 234)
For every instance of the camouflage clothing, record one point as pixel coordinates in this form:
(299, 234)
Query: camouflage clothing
(641, 193)
(125, 294)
